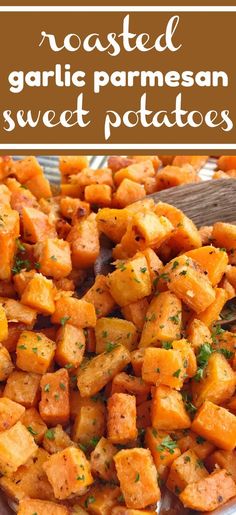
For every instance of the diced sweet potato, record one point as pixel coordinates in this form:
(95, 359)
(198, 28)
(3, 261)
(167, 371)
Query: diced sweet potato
(136, 172)
(185, 469)
(217, 384)
(6, 365)
(137, 357)
(17, 312)
(168, 410)
(16, 447)
(22, 279)
(84, 240)
(34, 423)
(121, 510)
(212, 313)
(224, 460)
(138, 477)
(144, 415)
(226, 163)
(70, 345)
(54, 405)
(39, 294)
(149, 230)
(36, 225)
(187, 280)
(100, 499)
(188, 356)
(128, 192)
(102, 462)
(98, 194)
(198, 333)
(100, 297)
(3, 324)
(9, 232)
(23, 388)
(29, 506)
(170, 176)
(115, 330)
(54, 257)
(71, 207)
(163, 448)
(68, 472)
(216, 424)
(72, 164)
(121, 423)
(97, 372)
(125, 383)
(128, 283)
(26, 168)
(163, 319)
(209, 493)
(211, 259)
(186, 235)
(35, 352)
(162, 366)
(136, 312)
(10, 413)
(196, 161)
(56, 439)
(77, 312)
(113, 223)
(90, 422)
(190, 440)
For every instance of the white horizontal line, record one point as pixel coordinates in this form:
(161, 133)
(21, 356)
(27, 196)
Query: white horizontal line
(118, 146)
(118, 8)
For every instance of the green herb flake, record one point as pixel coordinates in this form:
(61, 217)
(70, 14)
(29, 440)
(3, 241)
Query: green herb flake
(50, 434)
(81, 478)
(167, 444)
(47, 387)
(22, 347)
(32, 431)
(62, 386)
(167, 345)
(90, 499)
(177, 373)
(137, 477)
(64, 320)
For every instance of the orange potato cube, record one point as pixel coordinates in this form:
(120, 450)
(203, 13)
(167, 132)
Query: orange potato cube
(9, 232)
(36, 225)
(164, 450)
(26, 168)
(210, 492)
(3, 324)
(54, 406)
(211, 259)
(217, 384)
(22, 279)
(10, 413)
(170, 176)
(68, 472)
(125, 383)
(186, 235)
(56, 439)
(102, 462)
(89, 423)
(196, 161)
(144, 415)
(136, 172)
(70, 345)
(71, 190)
(71, 207)
(34, 352)
(100, 297)
(98, 194)
(23, 388)
(168, 410)
(77, 312)
(150, 230)
(163, 319)
(100, 499)
(212, 313)
(39, 295)
(54, 257)
(136, 312)
(39, 186)
(198, 333)
(128, 283)
(121, 510)
(98, 371)
(216, 424)
(196, 443)
(137, 357)
(16, 447)
(115, 330)
(69, 165)
(188, 356)
(162, 366)
(34, 423)
(113, 223)
(128, 192)
(224, 460)
(6, 365)
(17, 312)
(184, 470)
(84, 240)
(187, 280)
(138, 477)
(121, 421)
(29, 506)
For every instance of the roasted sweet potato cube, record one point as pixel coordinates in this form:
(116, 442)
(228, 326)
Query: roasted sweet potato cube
(214, 261)
(216, 424)
(190, 440)
(95, 374)
(29, 480)
(144, 415)
(196, 161)
(163, 319)
(90, 423)
(27, 168)
(71, 207)
(56, 439)
(217, 384)
(138, 477)
(224, 236)
(198, 333)
(125, 383)
(39, 295)
(128, 192)
(115, 330)
(168, 411)
(36, 225)
(23, 387)
(224, 460)
(113, 223)
(35, 352)
(29, 506)
(121, 510)
(69, 165)
(22, 279)
(100, 499)
(6, 365)
(185, 469)
(34, 423)
(136, 312)
(162, 366)
(187, 280)
(10, 413)
(3, 324)
(39, 186)
(102, 462)
(188, 356)
(17, 312)
(137, 357)
(163, 448)
(136, 172)
(99, 295)
(77, 312)
(54, 257)
(54, 406)
(9, 232)
(16, 447)
(186, 235)
(68, 472)
(151, 230)
(121, 420)
(128, 283)
(98, 194)
(212, 313)
(170, 176)
(84, 240)
(210, 492)
(70, 345)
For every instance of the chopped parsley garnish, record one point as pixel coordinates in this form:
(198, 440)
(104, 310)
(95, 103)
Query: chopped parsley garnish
(32, 431)
(64, 320)
(167, 444)
(50, 434)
